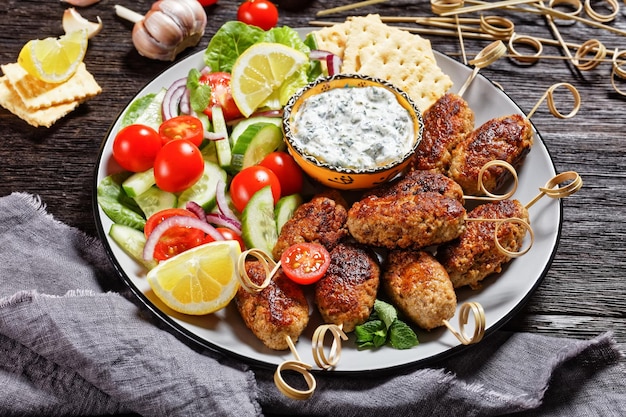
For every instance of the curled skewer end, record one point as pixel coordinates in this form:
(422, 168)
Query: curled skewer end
(481, 185)
(573, 182)
(265, 260)
(299, 367)
(330, 361)
(479, 323)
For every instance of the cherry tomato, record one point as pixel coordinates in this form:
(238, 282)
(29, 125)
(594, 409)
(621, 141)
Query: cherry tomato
(287, 170)
(228, 234)
(176, 239)
(261, 13)
(305, 263)
(250, 180)
(136, 146)
(220, 94)
(178, 166)
(206, 3)
(182, 127)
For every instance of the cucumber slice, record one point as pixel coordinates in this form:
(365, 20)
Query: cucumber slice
(209, 152)
(254, 144)
(155, 199)
(131, 241)
(152, 115)
(139, 183)
(245, 123)
(258, 227)
(203, 192)
(222, 146)
(285, 208)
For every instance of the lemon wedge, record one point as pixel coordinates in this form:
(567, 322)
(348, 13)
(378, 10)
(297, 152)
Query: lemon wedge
(199, 281)
(260, 71)
(54, 60)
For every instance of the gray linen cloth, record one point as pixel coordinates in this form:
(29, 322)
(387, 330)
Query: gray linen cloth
(74, 343)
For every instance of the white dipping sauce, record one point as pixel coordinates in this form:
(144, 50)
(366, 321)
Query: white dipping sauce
(356, 128)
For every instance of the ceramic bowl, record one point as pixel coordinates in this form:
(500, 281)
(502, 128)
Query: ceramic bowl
(336, 175)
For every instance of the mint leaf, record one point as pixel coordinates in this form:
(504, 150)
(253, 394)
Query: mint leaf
(386, 312)
(384, 327)
(401, 336)
(199, 93)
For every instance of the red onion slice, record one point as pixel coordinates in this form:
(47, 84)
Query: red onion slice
(172, 99)
(318, 54)
(218, 219)
(213, 136)
(222, 204)
(196, 209)
(176, 221)
(333, 62)
(185, 103)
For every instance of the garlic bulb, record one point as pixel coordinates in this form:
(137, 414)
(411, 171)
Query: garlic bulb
(72, 20)
(80, 3)
(168, 28)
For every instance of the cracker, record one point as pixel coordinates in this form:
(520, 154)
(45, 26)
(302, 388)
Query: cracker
(10, 100)
(369, 46)
(333, 38)
(36, 94)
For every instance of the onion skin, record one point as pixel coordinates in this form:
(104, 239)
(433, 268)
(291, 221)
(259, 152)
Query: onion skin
(169, 27)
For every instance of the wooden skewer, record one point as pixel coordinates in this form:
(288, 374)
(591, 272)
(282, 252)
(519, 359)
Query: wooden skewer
(552, 190)
(484, 58)
(485, 6)
(348, 7)
(297, 366)
(479, 323)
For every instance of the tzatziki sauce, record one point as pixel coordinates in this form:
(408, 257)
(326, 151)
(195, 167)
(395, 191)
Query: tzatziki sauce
(353, 127)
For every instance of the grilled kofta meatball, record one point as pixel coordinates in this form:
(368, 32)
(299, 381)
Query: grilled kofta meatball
(446, 123)
(321, 220)
(474, 255)
(421, 209)
(278, 311)
(507, 138)
(346, 293)
(419, 287)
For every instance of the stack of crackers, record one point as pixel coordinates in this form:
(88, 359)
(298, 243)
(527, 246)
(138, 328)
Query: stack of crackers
(368, 46)
(40, 103)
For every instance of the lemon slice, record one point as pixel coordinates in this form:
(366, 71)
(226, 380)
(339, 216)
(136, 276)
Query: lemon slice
(260, 71)
(54, 60)
(199, 281)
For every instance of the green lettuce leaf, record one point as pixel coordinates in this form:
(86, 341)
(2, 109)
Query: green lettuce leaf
(229, 42)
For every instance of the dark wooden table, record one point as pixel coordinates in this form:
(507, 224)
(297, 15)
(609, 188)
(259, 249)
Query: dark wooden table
(584, 292)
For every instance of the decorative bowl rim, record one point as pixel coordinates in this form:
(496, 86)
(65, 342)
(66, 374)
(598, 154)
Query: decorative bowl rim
(287, 111)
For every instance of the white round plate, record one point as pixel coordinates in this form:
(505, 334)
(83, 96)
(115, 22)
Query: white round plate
(501, 295)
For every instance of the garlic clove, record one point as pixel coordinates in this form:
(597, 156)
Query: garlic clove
(72, 21)
(80, 3)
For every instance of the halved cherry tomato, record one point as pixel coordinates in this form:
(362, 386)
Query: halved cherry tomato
(287, 170)
(176, 239)
(182, 127)
(250, 180)
(178, 166)
(228, 234)
(261, 13)
(305, 263)
(136, 146)
(206, 3)
(220, 94)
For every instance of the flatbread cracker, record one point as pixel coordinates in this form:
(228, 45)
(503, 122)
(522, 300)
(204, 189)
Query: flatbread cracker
(10, 100)
(36, 94)
(369, 46)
